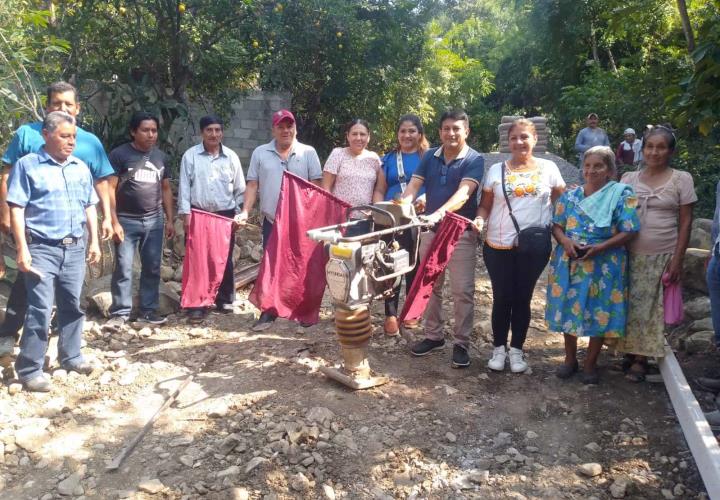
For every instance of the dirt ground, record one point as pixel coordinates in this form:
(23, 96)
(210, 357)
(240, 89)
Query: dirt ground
(260, 421)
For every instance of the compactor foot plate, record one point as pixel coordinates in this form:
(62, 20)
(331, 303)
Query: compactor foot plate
(351, 380)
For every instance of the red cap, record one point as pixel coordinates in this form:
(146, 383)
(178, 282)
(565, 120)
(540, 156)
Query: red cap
(281, 115)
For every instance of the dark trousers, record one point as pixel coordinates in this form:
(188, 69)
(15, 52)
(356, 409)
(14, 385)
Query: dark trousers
(226, 292)
(406, 240)
(266, 230)
(513, 277)
(16, 308)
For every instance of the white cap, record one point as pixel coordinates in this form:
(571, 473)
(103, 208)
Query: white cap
(629, 131)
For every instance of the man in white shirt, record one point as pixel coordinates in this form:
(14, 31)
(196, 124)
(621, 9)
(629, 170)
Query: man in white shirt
(211, 179)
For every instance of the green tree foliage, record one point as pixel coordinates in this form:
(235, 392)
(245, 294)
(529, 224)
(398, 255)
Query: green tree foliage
(342, 59)
(627, 60)
(28, 53)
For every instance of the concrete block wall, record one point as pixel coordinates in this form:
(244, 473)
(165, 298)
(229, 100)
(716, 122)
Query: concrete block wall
(249, 125)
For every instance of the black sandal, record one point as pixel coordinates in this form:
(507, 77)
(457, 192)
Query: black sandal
(624, 365)
(635, 375)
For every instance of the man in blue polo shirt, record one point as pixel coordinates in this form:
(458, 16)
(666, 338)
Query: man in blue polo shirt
(61, 96)
(451, 175)
(51, 199)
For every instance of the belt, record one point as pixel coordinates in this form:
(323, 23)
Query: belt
(68, 241)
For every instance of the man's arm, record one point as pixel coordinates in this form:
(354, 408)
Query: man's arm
(238, 184)
(17, 218)
(4, 208)
(118, 231)
(93, 255)
(167, 201)
(458, 199)
(102, 188)
(184, 187)
(580, 142)
(315, 173)
(251, 190)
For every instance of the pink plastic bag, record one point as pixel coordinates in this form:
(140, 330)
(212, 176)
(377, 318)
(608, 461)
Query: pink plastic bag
(672, 301)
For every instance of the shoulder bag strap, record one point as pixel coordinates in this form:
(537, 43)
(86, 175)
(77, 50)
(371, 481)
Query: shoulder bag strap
(507, 200)
(401, 171)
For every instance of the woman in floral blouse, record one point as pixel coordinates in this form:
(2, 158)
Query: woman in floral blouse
(353, 173)
(587, 286)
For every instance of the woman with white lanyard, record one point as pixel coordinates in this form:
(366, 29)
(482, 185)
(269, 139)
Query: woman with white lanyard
(399, 166)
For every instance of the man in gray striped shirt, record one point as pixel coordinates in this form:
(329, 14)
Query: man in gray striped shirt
(211, 179)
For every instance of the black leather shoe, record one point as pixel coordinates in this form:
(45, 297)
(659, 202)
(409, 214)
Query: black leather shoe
(264, 322)
(38, 384)
(83, 368)
(196, 316)
(460, 357)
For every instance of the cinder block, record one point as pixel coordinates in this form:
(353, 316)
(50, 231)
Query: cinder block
(249, 124)
(254, 105)
(243, 133)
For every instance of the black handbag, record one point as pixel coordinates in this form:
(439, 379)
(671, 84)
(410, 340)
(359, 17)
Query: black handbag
(533, 239)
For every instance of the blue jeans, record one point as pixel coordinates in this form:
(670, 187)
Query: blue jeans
(713, 282)
(146, 234)
(63, 269)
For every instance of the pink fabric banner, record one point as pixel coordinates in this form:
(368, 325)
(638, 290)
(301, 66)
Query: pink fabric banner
(291, 281)
(206, 254)
(433, 264)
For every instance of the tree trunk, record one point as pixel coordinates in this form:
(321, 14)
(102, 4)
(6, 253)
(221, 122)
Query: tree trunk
(593, 41)
(612, 61)
(687, 27)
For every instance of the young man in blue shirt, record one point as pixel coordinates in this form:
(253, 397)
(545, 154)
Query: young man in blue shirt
(51, 199)
(451, 175)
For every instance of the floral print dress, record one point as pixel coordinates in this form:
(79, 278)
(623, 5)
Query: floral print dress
(589, 297)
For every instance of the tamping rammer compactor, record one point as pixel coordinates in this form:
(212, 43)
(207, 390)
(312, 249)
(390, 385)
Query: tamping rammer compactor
(361, 269)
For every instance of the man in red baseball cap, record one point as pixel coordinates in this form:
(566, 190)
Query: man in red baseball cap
(264, 178)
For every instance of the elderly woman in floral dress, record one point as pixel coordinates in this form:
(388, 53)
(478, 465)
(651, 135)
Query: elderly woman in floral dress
(587, 287)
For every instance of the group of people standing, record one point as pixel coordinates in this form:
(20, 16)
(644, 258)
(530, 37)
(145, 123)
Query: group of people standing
(616, 240)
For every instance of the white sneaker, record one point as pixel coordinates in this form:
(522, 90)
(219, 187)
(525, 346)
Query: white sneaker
(497, 362)
(6, 345)
(517, 360)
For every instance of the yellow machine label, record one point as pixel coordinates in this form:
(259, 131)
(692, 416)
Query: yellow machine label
(341, 251)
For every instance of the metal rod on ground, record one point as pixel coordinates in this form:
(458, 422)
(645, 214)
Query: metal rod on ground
(125, 452)
(699, 436)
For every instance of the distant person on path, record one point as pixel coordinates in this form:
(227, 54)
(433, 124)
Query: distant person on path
(399, 166)
(590, 136)
(142, 192)
(51, 200)
(451, 175)
(587, 284)
(628, 152)
(666, 199)
(530, 185)
(713, 281)
(264, 179)
(211, 179)
(61, 96)
(645, 132)
(354, 173)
